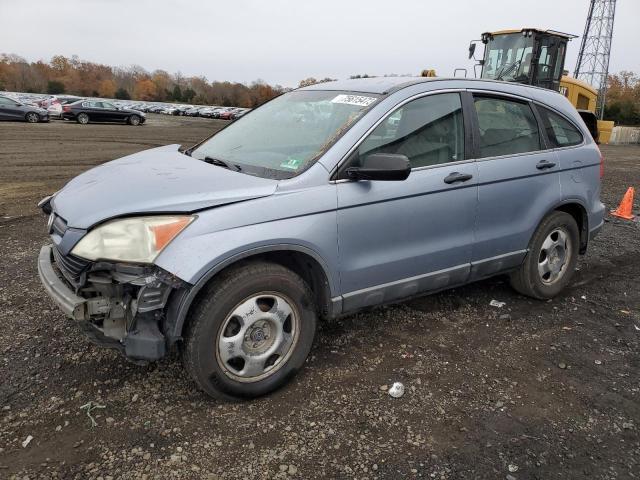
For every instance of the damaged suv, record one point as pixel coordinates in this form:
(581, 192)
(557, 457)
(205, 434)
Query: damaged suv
(323, 201)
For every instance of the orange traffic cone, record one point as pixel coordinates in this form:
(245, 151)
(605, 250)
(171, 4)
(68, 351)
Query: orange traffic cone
(625, 209)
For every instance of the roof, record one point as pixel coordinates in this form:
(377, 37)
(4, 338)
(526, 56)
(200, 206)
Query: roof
(538, 30)
(378, 85)
(580, 83)
(387, 85)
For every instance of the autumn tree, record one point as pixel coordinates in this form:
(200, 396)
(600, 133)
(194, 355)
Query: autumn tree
(307, 82)
(107, 88)
(145, 89)
(623, 98)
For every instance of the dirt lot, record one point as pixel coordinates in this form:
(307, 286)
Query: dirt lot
(533, 390)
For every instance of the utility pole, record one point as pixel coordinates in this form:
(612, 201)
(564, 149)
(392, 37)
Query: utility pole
(595, 49)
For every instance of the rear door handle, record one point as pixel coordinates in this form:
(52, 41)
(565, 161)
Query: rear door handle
(544, 164)
(457, 177)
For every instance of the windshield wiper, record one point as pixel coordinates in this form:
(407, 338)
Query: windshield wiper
(507, 69)
(221, 163)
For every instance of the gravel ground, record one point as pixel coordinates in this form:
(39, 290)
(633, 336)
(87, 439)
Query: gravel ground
(533, 390)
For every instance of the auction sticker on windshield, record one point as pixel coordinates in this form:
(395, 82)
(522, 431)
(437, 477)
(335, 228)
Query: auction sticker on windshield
(359, 100)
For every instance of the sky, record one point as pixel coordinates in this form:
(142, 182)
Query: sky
(284, 41)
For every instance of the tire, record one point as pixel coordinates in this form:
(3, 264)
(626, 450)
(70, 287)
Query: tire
(250, 331)
(552, 257)
(82, 118)
(134, 120)
(32, 117)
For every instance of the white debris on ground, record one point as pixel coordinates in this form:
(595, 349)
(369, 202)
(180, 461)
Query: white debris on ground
(396, 390)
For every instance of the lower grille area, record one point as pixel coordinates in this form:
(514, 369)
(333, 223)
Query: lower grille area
(71, 267)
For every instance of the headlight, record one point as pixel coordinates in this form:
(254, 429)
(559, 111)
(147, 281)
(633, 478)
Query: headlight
(137, 239)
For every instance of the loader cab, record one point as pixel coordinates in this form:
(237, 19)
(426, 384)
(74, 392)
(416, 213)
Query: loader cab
(529, 56)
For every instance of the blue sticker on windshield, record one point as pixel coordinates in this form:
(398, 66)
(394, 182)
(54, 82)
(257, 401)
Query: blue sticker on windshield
(291, 163)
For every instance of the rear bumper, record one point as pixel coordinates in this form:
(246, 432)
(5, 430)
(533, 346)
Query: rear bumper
(596, 230)
(597, 219)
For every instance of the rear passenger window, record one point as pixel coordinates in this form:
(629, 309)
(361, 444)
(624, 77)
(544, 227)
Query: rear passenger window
(561, 132)
(428, 131)
(506, 127)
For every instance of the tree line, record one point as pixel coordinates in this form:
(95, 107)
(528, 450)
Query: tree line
(63, 75)
(623, 99)
(88, 79)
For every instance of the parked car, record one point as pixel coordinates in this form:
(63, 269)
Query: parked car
(229, 114)
(207, 112)
(192, 112)
(11, 109)
(182, 109)
(226, 114)
(230, 247)
(240, 113)
(85, 111)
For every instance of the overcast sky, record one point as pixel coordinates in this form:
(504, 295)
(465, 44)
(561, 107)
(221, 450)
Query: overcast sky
(283, 41)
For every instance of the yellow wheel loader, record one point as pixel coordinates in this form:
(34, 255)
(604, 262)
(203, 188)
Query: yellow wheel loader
(536, 57)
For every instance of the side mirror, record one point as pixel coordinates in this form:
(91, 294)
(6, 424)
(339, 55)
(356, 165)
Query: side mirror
(472, 50)
(381, 166)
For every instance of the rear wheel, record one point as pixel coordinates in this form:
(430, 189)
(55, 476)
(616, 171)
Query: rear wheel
(250, 332)
(82, 118)
(552, 258)
(134, 120)
(32, 117)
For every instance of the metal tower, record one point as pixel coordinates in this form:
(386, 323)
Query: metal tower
(595, 49)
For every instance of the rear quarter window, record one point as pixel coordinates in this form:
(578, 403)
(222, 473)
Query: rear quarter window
(560, 131)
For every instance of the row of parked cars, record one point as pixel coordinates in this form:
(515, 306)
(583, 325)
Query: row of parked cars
(35, 108)
(224, 113)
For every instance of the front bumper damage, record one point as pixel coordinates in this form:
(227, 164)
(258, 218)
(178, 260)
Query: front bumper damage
(118, 305)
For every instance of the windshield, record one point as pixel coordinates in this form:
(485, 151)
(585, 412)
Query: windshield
(508, 57)
(286, 135)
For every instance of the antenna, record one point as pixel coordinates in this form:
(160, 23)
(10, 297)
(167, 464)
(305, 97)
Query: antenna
(595, 49)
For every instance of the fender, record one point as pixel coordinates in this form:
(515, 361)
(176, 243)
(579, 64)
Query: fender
(182, 299)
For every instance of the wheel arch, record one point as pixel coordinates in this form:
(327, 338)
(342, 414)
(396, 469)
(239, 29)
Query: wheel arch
(578, 211)
(301, 260)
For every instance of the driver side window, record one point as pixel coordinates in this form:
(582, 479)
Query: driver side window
(428, 131)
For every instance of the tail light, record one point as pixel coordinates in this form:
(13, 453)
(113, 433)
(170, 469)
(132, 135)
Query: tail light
(66, 108)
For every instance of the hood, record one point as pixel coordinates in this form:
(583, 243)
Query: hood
(160, 180)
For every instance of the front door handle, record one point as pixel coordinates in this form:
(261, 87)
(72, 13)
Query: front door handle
(544, 164)
(457, 177)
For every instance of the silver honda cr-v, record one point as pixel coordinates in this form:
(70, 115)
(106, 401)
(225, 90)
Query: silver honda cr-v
(325, 200)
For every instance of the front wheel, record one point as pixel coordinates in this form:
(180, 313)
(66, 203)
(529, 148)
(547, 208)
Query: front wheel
(32, 117)
(250, 332)
(82, 118)
(552, 258)
(134, 120)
